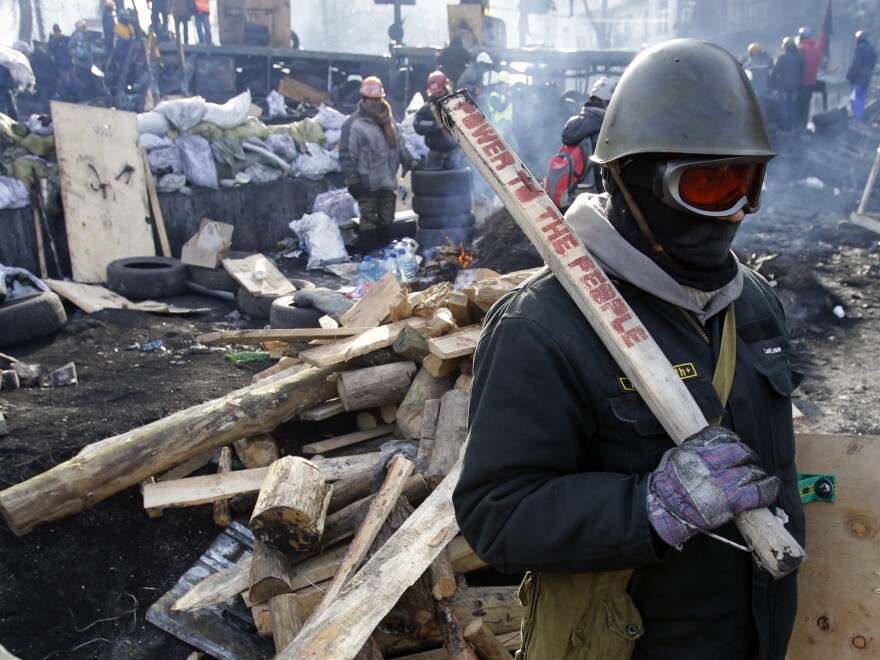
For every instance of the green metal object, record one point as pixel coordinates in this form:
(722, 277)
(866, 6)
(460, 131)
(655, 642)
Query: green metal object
(248, 356)
(817, 487)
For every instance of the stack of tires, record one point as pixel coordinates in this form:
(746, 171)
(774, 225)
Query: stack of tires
(442, 200)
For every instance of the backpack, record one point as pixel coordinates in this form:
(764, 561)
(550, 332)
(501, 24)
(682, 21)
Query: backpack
(567, 169)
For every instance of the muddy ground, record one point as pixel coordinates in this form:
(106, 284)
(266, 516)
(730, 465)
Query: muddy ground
(80, 587)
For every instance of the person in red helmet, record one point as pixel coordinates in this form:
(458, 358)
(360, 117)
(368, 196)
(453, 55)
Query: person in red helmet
(376, 149)
(443, 152)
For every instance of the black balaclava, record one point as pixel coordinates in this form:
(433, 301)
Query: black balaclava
(697, 249)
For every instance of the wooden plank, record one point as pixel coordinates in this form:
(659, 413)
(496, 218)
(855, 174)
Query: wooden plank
(348, 439)
(102, 187)
(273, 284)
(457, 344)
(375, 306)
(342, 629)
(93, 298)
(275, 334)
(324, 411)
(360, 344)
(155, 207)
(838, 588)
(205, 489)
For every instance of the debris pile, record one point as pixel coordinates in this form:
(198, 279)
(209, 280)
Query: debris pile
(323, 549)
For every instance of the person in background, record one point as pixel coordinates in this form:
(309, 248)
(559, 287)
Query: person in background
(8, 91)
(785, 77)
(567, 473)
(501, 108)
(377, 150)
(123, 36)
(583, 129)
(159, 18)
(203, 21)
(80, 49)
(108, 22)
(443, 152)
(812, 52)
(453, 59)
(758, 66)
(46, 74)
(182, 11)
(860, 72)
(473, 78)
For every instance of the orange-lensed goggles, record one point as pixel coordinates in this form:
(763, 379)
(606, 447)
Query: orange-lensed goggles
(713, 187)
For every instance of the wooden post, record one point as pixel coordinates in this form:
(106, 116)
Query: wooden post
(154, 205)
(372, 387)
(484, 641)
(292, 505)
(257, 451)
(429, 432)
(442, 577)
(222, 516)
(270, 573)
(450, 436)
(351, 489)
(286, 619)
(457, 647)
(410, 413)
(127, 459)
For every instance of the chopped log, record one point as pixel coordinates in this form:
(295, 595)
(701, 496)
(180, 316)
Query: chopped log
(491, 289)
(484, 641)
(370, 651)
(441, 322)
(388, 413)
(208, 488)
(463, 558)
(442, 577)
(324, 411)
(375, 386)
(435, 297)
(400, 308)
(463, 383)
(458, 344)
(262, 619)
(217, 587)
(347, 440)
(457, 647)
(411, 344)
(374, 307)
(286, 619)
(274, 334)
(257, 451)
(399, 469)
(351, 489)
(457, 303)
(411, 412)
(292, 505)
(270, 573)
(360, 344)
(222, 516)
(127, 459)
(438, 367)
(295, 365)
(430, 417)
(450, 436)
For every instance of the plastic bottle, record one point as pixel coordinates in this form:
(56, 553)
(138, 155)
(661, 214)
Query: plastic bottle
(406, 264)
(261, 266)
(367, 267)
(390, 263)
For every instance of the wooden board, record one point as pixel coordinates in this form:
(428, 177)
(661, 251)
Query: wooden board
(275, 334)
(93, 298)
(273, 284)
(361, 344)
(106, 211)
(839, 586)
(375, 306)
(456, 345)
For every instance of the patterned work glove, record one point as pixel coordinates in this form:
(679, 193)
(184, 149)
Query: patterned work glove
(705, 482)
(353, 183)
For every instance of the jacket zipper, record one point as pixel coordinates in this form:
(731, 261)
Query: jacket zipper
(695, 325)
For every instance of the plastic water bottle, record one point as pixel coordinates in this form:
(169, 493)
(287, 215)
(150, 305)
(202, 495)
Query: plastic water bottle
(390, 263)
(367, 267)
(406, 264)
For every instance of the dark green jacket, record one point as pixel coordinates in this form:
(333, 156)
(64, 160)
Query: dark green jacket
(560, 446)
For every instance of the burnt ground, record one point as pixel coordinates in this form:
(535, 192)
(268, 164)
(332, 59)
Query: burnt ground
(80, 587)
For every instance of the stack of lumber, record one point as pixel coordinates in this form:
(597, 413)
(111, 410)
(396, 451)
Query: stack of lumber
(356, 553)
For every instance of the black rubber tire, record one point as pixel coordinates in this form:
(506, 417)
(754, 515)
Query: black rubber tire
(443, 222)
(284, 314)
(432, 238)
(216, 278)
(27, 318)
(442, 206)
(260, 307)
(142, 278)
(437, 183)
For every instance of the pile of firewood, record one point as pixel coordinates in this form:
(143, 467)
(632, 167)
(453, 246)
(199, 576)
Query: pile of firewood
(355, 555)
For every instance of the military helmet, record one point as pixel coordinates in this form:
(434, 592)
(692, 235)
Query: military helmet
(755, 48)
(683, 96)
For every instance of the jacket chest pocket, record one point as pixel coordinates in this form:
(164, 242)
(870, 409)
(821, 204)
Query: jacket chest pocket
(779, 381)
(632, 410)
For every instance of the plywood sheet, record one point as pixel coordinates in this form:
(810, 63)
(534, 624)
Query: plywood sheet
(839, 585)
(106, 211)
(273, 282)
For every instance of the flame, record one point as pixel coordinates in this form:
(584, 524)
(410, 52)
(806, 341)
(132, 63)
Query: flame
(464, 259)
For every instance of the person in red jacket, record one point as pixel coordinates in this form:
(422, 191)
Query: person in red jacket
(812, 52)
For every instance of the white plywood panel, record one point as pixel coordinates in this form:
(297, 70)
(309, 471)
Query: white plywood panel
(106, 210)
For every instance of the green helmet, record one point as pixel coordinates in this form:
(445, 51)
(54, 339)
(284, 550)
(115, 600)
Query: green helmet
(683, 96)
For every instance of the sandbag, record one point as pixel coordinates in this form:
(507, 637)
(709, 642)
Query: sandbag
(231, 114)
(323, 239)
(198, 162)
(183, 113)
(152, 122)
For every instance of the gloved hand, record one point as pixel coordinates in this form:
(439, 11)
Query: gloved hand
(706, 481)
(416, 165)
(354, 186)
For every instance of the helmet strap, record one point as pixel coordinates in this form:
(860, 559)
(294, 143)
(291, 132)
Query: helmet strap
(614, 168)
